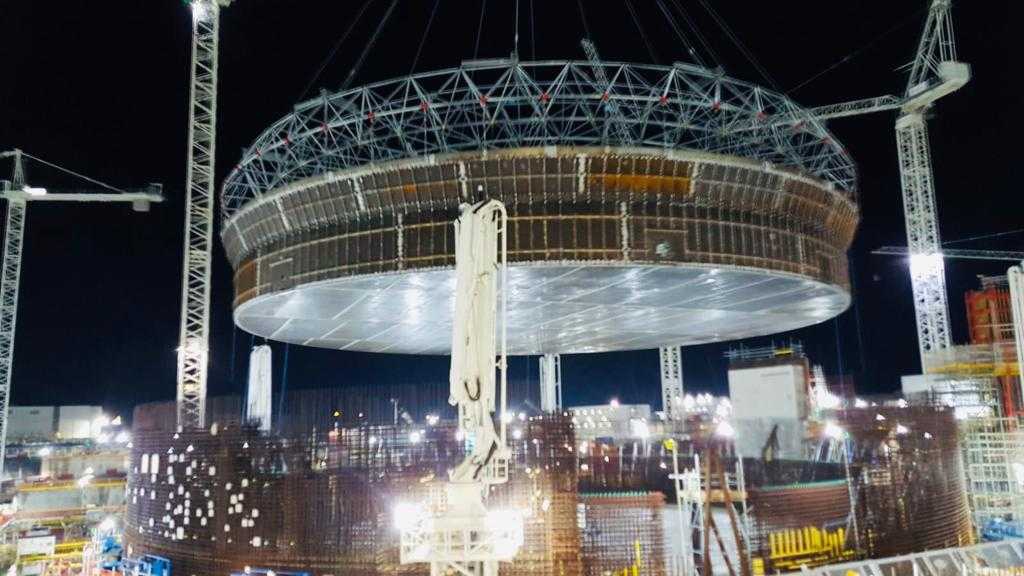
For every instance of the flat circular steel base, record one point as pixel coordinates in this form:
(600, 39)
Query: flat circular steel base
(564, 308)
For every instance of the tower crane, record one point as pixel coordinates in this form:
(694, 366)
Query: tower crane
(935, 73)
(461, 536)
(18, 195)
(194, 338)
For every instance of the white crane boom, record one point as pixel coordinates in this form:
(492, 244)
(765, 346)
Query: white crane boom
(18, 194)
(999, 255)
(935, 73)
(194, 338)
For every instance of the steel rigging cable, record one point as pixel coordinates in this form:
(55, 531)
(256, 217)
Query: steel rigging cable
(334, 50)
(643, 35)
(423, 40)
(369, 46)
(479, 29)
(739, 44)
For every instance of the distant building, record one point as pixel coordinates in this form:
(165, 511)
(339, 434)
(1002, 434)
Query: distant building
(27, 424)
(612, 421)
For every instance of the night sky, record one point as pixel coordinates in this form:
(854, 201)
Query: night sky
(102, 87)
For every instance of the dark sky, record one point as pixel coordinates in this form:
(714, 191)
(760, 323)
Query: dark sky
(102, 87)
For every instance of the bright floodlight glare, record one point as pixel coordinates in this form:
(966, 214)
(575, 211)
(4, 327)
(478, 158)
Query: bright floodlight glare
(859, 403)
(108, 524)
(415, 436)
(725, 430)
(921, 263)
(503, 518)
(614, 403)
(407, 515)
(45, 451)
(33, 191)
(902, 430)
(517, 434)
(834, 431)
(200, 10)
(640, 429)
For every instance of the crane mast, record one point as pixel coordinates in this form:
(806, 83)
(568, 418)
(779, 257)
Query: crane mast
(18, 194)
(935, 73)
(194, 338)
(14, 235)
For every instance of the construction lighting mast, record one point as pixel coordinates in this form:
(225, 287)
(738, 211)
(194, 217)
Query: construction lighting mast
(194, 339)
(935, 73)
(18, 194)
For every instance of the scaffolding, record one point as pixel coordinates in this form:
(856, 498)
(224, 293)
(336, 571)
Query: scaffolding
(994, 466)
(992, 359)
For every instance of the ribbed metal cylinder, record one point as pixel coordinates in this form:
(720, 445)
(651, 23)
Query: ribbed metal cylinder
(601, 229)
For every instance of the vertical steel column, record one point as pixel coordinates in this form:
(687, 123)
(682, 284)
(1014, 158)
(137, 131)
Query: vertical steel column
(550, 382)
(927, 268)
(194, 340)
(1016, 277)
(14, 235)
(671, 382)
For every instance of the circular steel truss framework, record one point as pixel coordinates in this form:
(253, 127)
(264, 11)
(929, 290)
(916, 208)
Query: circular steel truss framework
(506, 103)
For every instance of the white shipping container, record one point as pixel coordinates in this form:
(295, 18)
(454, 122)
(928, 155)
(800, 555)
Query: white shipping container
(778, 391)
(37, 545)
(78, 422)
(30, 423)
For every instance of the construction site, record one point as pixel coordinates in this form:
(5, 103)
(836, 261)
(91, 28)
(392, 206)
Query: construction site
(514, 207)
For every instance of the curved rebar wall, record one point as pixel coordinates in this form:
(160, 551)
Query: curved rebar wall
(322, 501)
(618, 214)
(912, 495)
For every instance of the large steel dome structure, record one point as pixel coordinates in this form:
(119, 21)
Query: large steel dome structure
(649, 206)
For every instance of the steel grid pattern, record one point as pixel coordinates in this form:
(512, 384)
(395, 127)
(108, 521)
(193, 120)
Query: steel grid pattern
(506, 103)
(321, 498)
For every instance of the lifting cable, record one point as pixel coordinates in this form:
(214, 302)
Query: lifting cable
(533, 35)
(643, 35)
(334, 51)
(73, 173)
(983, 237)
(583, 17)
(697, 33)
(679, 34)
(479, 29)
(423, 40)
(284, 384)
(854, 54)
(369, 46)
(515, 33)
(739, 44)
